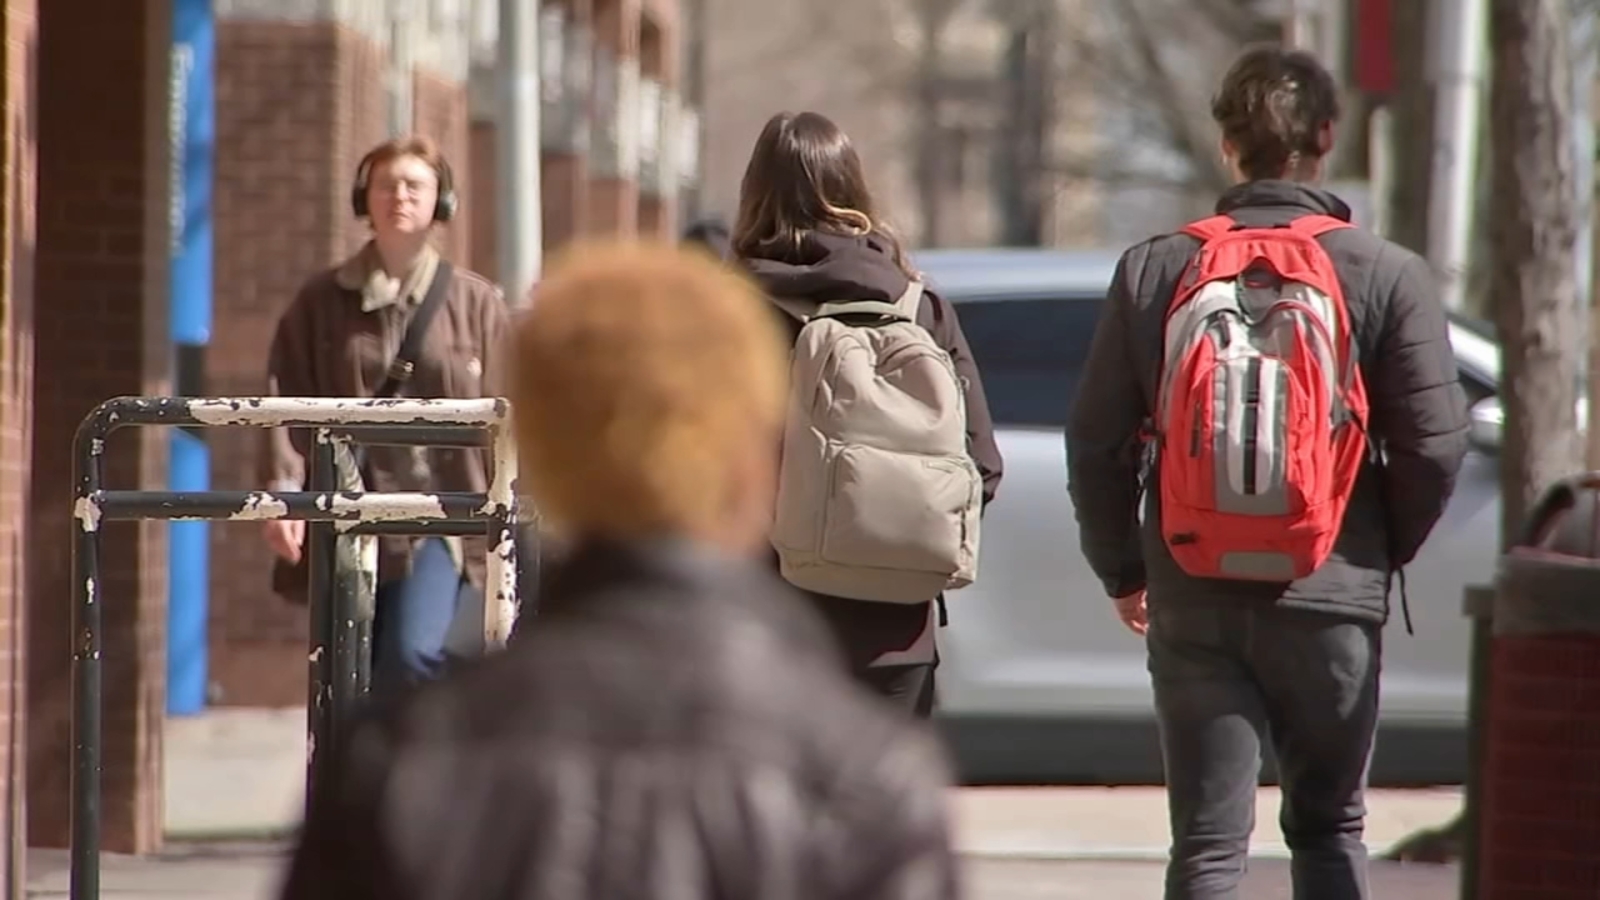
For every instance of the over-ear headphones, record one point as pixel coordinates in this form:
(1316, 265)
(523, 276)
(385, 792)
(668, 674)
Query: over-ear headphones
(444, 209)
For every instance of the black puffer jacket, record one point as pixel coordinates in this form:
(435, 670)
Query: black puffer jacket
(837, 267)
(1418, 414)
(677, 726)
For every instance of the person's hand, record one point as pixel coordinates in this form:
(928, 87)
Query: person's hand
(1133, 612)
(286, 537)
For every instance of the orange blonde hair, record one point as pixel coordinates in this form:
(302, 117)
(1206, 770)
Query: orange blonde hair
(638, 372)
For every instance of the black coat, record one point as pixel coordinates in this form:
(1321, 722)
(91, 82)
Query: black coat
(1418, 415)
(677, 726)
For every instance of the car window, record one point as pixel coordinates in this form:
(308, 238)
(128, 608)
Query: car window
(1030, 352)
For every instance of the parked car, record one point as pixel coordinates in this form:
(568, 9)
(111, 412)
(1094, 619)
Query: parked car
(1039, 682)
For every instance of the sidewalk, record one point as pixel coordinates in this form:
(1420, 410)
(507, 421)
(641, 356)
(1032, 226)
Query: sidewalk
(235, 779)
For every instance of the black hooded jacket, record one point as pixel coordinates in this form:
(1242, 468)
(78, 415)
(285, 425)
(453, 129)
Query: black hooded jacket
(825, 268)
(1418, 415)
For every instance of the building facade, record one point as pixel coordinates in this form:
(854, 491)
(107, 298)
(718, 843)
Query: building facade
(303, 88)
(938, 108)
(599, 175)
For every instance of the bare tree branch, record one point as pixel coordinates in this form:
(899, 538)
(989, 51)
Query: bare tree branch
(1175, 109)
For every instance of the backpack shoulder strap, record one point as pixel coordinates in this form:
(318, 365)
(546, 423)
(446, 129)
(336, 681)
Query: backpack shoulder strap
(910, 300)
(1209, 229)
(801, 311)
(806, 311)
(904, 308)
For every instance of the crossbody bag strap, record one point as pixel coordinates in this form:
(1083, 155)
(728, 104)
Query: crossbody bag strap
(404, 363)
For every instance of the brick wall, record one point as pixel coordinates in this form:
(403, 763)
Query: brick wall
(298, 103)
(92, 215)
(274, 210)
(563, 198)
(1541, 837)
(18, 50)
(439, 107)
(479, 199)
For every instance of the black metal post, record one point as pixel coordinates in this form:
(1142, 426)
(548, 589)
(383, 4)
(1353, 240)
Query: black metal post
(364, 657)
(529, 563)
(87, 700)
(320, 538)
(342, 606)
(316, 506)
(344, 610)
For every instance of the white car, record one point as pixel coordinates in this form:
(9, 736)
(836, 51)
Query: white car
(1039, 682)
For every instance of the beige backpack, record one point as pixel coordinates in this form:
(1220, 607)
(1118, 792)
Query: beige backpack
(878, 498)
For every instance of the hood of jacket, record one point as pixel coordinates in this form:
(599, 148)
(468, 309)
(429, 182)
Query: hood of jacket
(827, 267)
(1290, 197)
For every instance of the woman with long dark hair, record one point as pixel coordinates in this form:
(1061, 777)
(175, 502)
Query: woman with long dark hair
(809, 232)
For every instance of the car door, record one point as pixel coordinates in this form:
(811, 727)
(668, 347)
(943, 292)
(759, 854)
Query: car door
(1035, 635)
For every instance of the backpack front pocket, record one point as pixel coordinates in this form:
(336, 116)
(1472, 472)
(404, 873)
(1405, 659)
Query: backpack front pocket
(895, 510)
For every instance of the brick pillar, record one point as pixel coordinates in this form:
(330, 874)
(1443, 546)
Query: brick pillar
(564, 126)
(613, 189)
(298, 102)
(659, 63)
(564, 167)
(440, 111)
(101, 262)
(18, 52)
(1541, 783)
(480, 198)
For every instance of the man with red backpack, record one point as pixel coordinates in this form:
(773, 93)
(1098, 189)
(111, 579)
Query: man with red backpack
(1266, 430)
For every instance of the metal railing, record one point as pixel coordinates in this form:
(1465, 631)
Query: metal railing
(336, 642)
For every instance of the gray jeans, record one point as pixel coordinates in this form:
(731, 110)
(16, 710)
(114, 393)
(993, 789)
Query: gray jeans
(1225, 680)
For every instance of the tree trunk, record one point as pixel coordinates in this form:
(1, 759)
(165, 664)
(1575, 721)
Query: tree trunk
(1533, 236)
(1533, 232)
(1025, 182)
(1412, 134)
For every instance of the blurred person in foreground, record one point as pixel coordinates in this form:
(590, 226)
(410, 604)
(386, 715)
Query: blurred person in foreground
(678, 725)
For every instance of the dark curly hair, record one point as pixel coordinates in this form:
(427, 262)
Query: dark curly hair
(1276, 109)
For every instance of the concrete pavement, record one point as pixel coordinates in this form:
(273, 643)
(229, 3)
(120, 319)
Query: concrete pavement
(235, 777)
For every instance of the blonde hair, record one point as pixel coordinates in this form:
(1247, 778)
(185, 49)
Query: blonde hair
(639, 372)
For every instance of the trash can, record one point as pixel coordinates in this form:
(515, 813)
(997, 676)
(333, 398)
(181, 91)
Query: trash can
(1541, 781)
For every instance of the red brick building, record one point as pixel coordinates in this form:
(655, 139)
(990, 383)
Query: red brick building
(83, 316)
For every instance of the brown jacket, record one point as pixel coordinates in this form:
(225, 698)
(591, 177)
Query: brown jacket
(337, 339)
(677, 726)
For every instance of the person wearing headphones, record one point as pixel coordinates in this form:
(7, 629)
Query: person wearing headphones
(394, 320)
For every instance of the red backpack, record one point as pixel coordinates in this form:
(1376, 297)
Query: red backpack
(1261, 413)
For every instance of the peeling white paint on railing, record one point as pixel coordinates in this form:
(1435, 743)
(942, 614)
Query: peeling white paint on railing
(388, 507)
(265, 412)
(261, 505)
(347, 508)
(87, 511)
